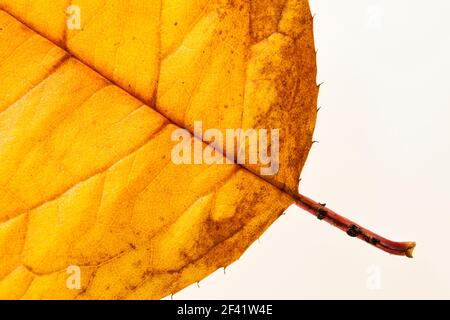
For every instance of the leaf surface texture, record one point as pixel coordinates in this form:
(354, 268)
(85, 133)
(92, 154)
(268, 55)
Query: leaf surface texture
(86, 118)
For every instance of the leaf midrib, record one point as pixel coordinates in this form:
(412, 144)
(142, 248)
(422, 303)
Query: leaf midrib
(293, 196)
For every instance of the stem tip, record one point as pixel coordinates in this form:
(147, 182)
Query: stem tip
(410, 249)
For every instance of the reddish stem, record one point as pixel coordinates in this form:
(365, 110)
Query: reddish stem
(354, 230)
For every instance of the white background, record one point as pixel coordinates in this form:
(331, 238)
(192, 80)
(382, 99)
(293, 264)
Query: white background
(382, 160)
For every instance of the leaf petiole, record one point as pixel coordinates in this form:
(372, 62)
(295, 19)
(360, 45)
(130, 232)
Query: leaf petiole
(354, 230)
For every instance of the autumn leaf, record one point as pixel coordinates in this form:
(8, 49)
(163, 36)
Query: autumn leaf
(86, 118)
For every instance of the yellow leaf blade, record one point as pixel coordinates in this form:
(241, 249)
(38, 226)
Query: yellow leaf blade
(87, 180)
